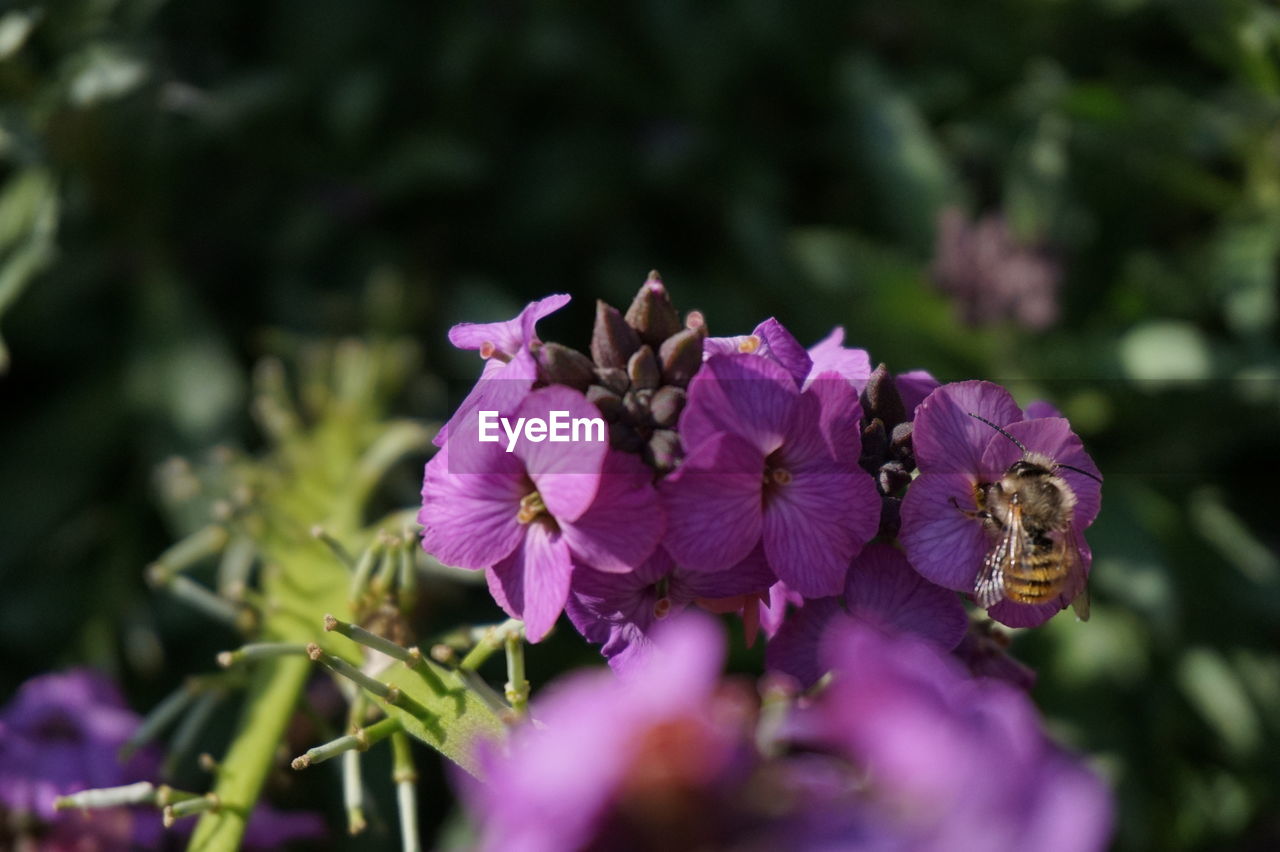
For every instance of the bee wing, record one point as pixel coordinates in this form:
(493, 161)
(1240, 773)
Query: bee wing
(988, 589)
(1076, 587)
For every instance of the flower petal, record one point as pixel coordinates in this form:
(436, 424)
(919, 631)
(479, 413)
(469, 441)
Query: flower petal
(624, 525)
(749, 576)
(829, 355)
(794, 649)
(469, 519)
(566, 473)
(947, 439)
(817, 523)
(941, 542)
(782, 346)
(713, 504)
(533, 582)
(913, 386)
(741, 394)
(883, 588)
(508, 336)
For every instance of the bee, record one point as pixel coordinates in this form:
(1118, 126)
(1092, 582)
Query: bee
(1028, 513)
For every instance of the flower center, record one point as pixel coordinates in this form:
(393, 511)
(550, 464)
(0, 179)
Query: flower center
(749, 344)
(531, 506)
(662, 608)
(489, 349)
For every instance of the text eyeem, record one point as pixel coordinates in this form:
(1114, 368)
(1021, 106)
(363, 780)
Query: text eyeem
(558, 428)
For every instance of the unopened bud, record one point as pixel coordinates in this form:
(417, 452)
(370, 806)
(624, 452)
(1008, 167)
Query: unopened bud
(666, 405)
(624, 437)
(695, 321)
(880, 398)
(609, 403)
(681, 356)
(900, 441)
(560, 365)
(875, 443)
(893, 477)
(663, 451)
(612, 340)
(635, 407)
(613, 378)
(651, 313)
(642, 369)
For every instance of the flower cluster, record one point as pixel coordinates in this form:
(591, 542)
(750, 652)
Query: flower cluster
(749, 474)
(903, 750)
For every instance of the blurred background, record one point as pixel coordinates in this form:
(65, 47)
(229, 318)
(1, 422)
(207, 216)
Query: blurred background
(1080, 200)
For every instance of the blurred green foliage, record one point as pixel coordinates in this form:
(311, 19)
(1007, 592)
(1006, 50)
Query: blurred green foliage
(185, 187)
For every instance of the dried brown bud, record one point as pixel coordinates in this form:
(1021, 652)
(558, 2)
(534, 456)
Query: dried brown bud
(642, 369)
(612, 340)
(652, 314)
(560, 365)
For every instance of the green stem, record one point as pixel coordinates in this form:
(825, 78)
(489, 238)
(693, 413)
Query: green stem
(272, 696)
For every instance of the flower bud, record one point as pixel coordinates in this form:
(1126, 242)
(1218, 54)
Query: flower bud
(893, 477)
(612, 340)
(623, 437)
(681, 356)
(900, 442)
(635, 407)
(663, 451)
(652, 314)
(613, 378)
(642, 369)
(609, 403)
(666, 406)
(560, 365)
(875, 443)
(880, 398)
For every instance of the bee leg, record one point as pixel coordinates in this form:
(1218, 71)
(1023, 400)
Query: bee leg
(977, 515)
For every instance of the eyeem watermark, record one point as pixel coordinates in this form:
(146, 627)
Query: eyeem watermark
(558, 428)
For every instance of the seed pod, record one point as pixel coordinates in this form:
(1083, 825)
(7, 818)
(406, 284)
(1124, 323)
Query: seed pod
(612, 340)
(681, 356)
(560, 365)
(643, 369)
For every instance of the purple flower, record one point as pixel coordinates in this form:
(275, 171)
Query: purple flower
(990, 277)
(882, 592)
(771, 340)
(60, 734)
(621, 611)
(957, 454)
(618, 762)
(525, 516)
(830, 355)
(948, 760)
(509, 366)
(767, 462)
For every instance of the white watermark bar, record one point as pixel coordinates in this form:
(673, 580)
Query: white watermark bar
(558, 428)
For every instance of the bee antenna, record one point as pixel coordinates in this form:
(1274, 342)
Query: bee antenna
(1079, 471)
(1021, 445)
